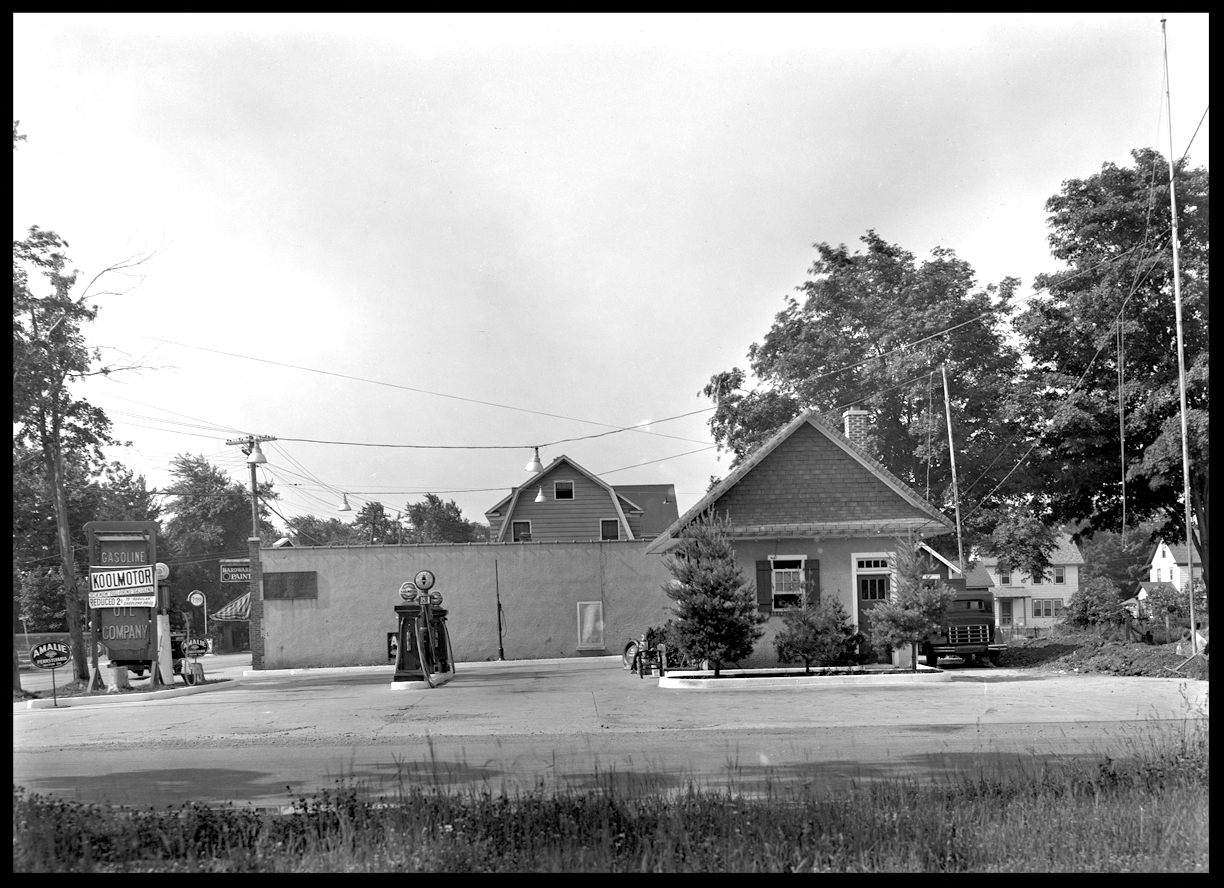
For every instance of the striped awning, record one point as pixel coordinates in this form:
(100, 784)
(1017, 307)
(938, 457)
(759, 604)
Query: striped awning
(238, 609)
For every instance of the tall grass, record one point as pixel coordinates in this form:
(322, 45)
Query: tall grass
(1148, 812)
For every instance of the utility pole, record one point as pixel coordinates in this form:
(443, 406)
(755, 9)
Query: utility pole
(960, 549)
(250, 447)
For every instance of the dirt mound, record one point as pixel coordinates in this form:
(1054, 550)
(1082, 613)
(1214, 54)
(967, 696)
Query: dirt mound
(1088, 652)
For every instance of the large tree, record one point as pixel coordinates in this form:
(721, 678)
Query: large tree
(873, 329)
(209, 519)
(310, 530)
(435, 521)
(49, 355)
(1113, 230)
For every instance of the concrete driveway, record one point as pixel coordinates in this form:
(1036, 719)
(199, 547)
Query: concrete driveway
(575, 723)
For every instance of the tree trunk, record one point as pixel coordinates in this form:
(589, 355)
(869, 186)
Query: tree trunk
(1198, 505)
(16, 666)
(72, 605)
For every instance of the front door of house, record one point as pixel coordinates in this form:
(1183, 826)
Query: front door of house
(872, 591)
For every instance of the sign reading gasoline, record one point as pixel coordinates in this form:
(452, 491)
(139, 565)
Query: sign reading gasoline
(125, 587)
(235, 570)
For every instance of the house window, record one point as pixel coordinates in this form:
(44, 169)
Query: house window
(1036, 579)
(521, 531)
(1060, 575)
(590, 626)
(788, 581)
(1004, 576)
(563, 490)
(873, 588)
(1047, 607)
(609, 529)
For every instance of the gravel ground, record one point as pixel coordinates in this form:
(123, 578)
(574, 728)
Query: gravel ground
(1088, 652)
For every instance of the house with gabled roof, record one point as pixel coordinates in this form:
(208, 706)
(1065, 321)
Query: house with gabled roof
(1170, 563)
(812, 513)
(1025, 604)
(565, 502)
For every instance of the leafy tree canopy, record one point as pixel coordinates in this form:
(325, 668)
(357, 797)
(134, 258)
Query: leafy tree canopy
(435, 521)
(872, 329)
(1113, 230)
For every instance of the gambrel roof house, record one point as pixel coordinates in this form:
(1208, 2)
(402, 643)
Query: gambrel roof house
(566, 502)
(812, 514)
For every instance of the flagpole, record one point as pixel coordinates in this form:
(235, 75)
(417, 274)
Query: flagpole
(1181, 354)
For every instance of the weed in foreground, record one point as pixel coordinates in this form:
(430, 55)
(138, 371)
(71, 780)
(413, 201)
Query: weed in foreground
(1147, 813)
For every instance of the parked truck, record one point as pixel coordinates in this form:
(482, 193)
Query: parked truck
(968, 630)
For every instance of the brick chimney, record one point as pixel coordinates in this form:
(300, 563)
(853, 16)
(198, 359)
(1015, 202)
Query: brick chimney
(856, 423)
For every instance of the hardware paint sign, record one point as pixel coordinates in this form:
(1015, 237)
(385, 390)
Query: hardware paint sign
(236, 570)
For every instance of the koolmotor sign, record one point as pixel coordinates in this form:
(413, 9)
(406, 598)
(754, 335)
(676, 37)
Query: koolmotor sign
(131, 587)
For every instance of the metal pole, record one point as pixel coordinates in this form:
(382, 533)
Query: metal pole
(501, 654)
(1181, 355)
(960, 549)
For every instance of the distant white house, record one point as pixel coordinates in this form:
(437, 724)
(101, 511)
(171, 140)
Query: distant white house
(1170, 563)
(1025, 602)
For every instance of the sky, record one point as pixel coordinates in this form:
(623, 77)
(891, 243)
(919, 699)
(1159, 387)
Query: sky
(480, 234)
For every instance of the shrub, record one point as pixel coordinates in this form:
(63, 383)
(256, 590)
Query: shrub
(819, 634)
(1097, 605)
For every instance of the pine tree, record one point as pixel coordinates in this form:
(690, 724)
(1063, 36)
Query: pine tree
(716, 608)
(915, 610)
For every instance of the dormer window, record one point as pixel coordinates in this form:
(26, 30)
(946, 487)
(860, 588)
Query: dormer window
(563, 490)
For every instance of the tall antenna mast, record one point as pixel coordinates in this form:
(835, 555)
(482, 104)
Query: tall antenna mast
(1181, 352)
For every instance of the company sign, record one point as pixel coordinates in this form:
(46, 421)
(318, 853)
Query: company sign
(237, 570)
(126, 587)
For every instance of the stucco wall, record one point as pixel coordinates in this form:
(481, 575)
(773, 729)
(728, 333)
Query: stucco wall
(836, 576)
(540, 585)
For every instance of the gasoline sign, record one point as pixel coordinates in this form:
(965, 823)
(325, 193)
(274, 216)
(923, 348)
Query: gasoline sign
(49, 655)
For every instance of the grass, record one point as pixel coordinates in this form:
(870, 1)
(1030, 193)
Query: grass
(1147, 813)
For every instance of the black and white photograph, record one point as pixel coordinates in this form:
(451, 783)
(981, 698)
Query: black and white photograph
(610, 442)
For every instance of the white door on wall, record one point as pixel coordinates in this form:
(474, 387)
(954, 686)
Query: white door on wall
(590, 626)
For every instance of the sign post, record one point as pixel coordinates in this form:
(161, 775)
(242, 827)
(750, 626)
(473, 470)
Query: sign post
(198, 599)
(50, 655)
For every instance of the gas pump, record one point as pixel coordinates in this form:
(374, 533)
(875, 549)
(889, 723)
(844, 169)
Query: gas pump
(423, 655)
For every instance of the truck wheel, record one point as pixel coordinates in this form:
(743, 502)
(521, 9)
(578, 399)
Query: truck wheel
(932, 658)
(139, 673)
(993, 656)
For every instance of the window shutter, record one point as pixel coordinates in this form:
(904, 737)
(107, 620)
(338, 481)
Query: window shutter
(764, 585)
(813, 582)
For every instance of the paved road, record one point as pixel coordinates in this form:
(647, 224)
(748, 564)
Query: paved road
(575, 723)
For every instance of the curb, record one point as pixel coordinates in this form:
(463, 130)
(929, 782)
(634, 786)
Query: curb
(700, 681)
(105, 699)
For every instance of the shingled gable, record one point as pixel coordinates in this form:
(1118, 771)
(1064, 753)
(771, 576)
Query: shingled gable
(508, 504)
(808, 480)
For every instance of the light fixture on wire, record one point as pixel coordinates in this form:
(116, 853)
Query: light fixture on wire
(256, 457)
(540, 496)
(344, 506)
(534, 465)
